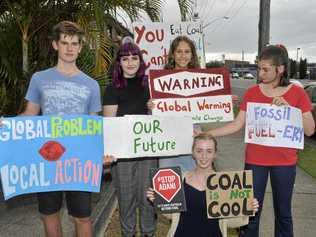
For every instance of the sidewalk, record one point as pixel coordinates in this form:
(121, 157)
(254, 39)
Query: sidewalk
(231, 157)
(19, 217)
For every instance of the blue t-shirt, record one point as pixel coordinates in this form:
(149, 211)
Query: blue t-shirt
(57, 94)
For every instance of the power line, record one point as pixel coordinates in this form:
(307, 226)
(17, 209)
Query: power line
(203, 8)
(207, 13)
(230, 17)
(231, 7)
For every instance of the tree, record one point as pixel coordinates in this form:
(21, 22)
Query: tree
(292, 68)
(25, 31)
(303, 68)
(212, 64)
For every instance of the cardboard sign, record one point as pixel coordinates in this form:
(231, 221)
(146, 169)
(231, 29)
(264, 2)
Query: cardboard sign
(154, 39)
(167, 183)
(50, 153)
(145, 136)
(276, 126)
(229, 194)
(202, 94)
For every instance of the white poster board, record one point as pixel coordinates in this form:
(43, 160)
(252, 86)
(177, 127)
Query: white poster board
(201, 109)
(154, 39)
(276, 126)
(146, 136)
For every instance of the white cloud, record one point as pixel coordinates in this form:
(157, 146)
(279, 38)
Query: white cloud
(292, 23)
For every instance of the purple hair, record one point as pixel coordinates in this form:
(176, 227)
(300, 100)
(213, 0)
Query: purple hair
(117, 75)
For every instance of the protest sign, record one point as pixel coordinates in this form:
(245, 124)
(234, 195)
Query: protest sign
(202, 94)
(189, 83)
(154, 39)
(229, 194)
(145, 135)
(50, 153)
(276, 126)
(167, 183)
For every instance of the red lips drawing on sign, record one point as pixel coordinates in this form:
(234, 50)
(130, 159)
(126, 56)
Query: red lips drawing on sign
(52, 150)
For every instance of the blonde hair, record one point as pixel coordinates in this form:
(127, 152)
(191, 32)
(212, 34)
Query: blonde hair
(204, 137)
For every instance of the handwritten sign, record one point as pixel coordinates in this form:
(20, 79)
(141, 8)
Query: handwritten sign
(202, 94)
(229, 194)
(43, 153)
(145, 136)
(277, 126)
(167, 183)
(154, 39)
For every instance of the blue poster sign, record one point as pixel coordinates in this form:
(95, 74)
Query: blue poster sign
(50, 153)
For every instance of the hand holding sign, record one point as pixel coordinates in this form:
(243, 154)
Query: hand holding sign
(270, 125)
(279, 101)
(230, 194)
(167, 184)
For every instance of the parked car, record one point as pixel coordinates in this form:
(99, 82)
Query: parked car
(249, 76)
(235, 75)
(297, 82)
(310, 89)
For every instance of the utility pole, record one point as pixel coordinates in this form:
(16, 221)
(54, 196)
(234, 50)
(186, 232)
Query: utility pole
(264, 24)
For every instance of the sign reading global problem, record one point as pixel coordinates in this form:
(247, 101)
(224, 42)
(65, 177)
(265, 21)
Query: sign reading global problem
(50, 153)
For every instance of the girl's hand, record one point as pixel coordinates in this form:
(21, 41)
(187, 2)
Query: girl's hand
(279, 101)
(1, 121)
(150, 194)
(255, 205)
(150, 104)
(108, 159)
(197, 132)
(235, 99)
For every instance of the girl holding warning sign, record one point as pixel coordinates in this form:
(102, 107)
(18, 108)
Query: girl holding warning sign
(182, 55)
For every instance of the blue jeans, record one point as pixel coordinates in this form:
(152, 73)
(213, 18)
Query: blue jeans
(282, 182)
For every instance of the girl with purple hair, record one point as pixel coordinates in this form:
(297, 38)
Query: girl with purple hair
(128, 94)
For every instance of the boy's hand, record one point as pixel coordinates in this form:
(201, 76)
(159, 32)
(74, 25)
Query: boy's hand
(108, 159)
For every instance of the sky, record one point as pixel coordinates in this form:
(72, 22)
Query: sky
(292, 23)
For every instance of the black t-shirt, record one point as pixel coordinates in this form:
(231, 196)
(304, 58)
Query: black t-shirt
(130, 100)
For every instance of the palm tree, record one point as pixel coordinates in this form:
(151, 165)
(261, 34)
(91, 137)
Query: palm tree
(25, 29)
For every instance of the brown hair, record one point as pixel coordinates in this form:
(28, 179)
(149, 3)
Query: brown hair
(68, 28)
(279, 57)
(206, 137)
(194, 63)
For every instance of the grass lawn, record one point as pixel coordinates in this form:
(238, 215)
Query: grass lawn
(307, 160)
(114, 229)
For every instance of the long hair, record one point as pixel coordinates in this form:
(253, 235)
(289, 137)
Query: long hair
(279, 56)
(205, 137)
(194, 63)
(127, 49)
